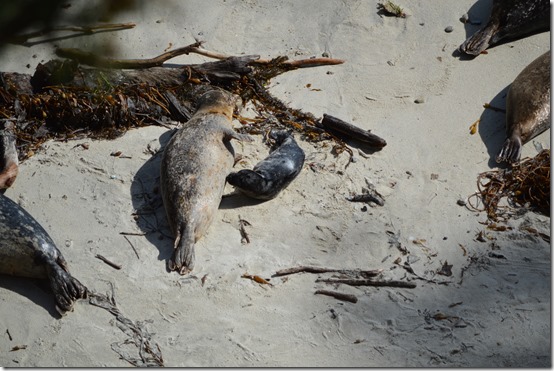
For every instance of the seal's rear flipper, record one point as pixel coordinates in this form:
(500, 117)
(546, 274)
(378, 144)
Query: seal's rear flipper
(182, 260)
(511, 150)
(66, 288)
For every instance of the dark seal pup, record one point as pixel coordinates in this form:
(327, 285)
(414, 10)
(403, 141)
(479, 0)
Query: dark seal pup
(527, 108)
(8, 155)
(26, 250)
(273, 174)
(510, 19)
(194, 165)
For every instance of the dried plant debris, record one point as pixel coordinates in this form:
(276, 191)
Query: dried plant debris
(391, 8)
(526, 184)
(65, 100)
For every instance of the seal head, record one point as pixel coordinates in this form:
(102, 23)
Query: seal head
(270, 176)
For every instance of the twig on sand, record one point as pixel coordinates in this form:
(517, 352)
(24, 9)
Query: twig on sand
(111, 264)
(86, 30)
(392, 283)
(345, 129)
(244, 238)
(133, 247)
(311, 269)
(338, 295)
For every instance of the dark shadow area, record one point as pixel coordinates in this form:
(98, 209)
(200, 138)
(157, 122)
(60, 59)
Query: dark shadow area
(38, 291)
(479, 15)
(236, 199)
(492, 127)
(148, 204)
(363, 147)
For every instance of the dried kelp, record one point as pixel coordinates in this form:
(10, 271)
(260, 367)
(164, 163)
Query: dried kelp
(65, 100)
(525, 185)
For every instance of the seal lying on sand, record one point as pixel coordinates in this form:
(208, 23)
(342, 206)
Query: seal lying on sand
(194, 165)
(26, 250)
(527, 108)
(510, 19)
(8, 155)
(273, 174)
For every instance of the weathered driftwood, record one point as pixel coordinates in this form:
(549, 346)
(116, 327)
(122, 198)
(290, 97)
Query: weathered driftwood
(343, 128)
(369, 282)
(317, 270)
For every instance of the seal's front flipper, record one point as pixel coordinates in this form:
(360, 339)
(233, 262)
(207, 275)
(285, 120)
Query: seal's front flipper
(511, 150)
(231, 134)
(479, 41)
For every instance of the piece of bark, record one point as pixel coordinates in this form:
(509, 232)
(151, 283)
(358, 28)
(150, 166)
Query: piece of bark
(345, 129)
(392, 283)
(338, 295)
(317, 270)
(111, 264)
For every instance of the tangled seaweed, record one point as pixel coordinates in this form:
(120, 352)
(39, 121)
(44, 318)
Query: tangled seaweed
(525, 185)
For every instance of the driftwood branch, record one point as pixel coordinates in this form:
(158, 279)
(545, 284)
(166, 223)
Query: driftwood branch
(392, 283)
(350, 131)
(94, 60)
(316, 270)
(338, 295)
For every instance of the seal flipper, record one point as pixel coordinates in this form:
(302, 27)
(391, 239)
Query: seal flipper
(511, 150)
(479, 41)
(182, 260)
(66, 288)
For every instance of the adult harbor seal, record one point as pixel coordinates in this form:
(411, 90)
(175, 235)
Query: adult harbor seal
(8, 155)
(194, 165)
(273, 174)
(527, 108)
(510, 19)
(26, 250)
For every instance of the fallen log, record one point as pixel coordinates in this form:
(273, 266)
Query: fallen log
(391, 283)
(343, 128)
(317, 270)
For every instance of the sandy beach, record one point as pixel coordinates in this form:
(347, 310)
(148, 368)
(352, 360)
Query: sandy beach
(493, 310)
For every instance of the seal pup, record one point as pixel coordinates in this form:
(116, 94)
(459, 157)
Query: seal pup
(8, 155)
(274, 173)
(510, 19)
(26, 250)
(194, 165)
(527, 108)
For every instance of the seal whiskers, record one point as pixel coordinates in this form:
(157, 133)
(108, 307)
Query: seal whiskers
(194, 165)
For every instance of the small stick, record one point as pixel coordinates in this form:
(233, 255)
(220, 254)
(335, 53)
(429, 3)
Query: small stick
(408, 285)
(243, 235)
(309, 269)
(18, 347)
(353, 132)
(132, 234)
(135, 250)
(338, 295)
(9, 335)
(116, 266)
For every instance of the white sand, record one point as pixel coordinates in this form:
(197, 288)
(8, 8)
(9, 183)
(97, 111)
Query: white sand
(85, 198)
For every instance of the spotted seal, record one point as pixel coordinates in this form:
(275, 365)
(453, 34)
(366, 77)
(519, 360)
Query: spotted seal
(527, 108)
(274, 173)
(510, 19)
(194, 165)
(8, 155)
(26, 250)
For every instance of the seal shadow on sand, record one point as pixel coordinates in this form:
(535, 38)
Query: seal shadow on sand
(492, 127)
(148, 204)
(36, 290)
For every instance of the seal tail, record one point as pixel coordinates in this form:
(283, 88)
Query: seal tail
(182, 260)
(510, 151)
(66, 288)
